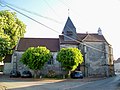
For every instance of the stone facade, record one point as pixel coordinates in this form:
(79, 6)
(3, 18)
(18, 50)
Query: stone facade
(96, 60)
(117, 66)
(52, 65)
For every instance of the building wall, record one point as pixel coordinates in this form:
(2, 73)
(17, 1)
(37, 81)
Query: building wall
(96, 61)
(117, 68)
(68, 46)
(54, 66)
(7, 68)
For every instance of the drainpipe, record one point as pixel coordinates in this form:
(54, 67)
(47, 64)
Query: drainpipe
(15, 61)
(84, 57)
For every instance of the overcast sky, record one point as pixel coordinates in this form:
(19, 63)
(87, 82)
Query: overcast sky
(87, 16)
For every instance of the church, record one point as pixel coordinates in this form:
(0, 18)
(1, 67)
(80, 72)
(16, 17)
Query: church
(97, 52)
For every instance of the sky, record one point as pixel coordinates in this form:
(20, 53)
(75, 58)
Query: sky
(86, 15)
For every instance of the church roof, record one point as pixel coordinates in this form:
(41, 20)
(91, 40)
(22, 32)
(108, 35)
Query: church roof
(51, 43)
(69, 24)
(92, 37)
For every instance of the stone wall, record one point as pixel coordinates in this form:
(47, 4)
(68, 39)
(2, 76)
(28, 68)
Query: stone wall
(96, 61)
(55, 66)
(68, 46)
(7, 68)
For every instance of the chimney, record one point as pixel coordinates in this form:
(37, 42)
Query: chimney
(99, 31)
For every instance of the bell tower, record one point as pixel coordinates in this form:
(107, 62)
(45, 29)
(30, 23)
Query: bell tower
(69, 31)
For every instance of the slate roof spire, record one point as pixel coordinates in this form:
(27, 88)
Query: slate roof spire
(69, 24)
(69, 30)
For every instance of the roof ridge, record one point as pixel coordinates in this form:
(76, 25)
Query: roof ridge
(38, 38)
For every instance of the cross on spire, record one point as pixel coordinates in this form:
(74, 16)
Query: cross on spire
(68, 12)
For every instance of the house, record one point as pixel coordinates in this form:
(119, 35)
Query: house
(97, 52)
(117, 66)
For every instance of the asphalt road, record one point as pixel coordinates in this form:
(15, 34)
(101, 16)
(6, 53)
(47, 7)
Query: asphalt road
(112, 83)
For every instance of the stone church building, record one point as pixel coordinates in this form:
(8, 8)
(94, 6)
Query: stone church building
(97, 52)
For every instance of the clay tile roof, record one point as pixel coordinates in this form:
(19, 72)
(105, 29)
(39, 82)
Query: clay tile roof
(81, 36)
(91, 37)
(84, 37)
(51, 43)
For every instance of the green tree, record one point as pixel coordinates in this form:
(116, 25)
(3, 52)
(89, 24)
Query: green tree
(70, 58)
(35, 58)
(4, 48)
(11, 29)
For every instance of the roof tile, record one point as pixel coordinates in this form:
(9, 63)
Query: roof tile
(51, 43)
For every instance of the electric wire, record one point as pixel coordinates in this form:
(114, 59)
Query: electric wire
(50, 7)
(31, 12)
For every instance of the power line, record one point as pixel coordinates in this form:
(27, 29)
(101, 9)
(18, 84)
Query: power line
(38, 22)
(34, 13)
(40, 15)
(51, 28)
(50, 7)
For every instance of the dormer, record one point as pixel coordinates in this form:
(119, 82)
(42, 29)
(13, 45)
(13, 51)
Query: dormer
(69, 31)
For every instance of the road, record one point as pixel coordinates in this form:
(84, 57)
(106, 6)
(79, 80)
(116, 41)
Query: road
(112, 83)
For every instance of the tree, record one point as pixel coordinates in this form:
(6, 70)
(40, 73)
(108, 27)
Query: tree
(36, 57)
(4, 48)
(70, 58)
(11, 29)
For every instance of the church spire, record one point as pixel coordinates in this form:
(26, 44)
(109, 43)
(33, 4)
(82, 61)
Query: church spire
(69, 30)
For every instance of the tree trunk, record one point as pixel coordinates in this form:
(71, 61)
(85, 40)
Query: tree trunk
(69, 74)
(36, 74)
